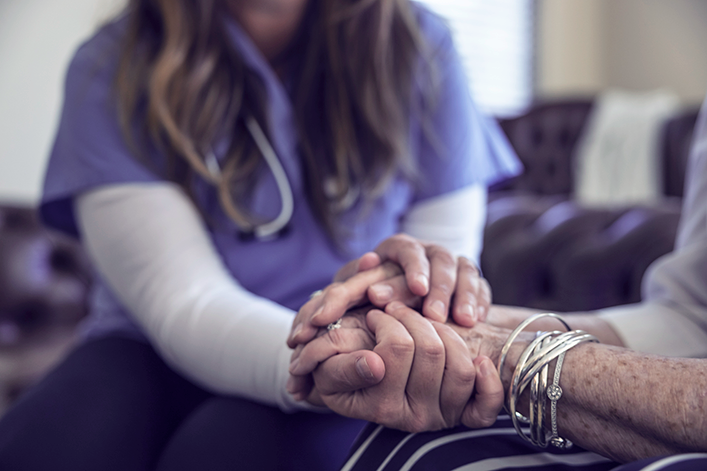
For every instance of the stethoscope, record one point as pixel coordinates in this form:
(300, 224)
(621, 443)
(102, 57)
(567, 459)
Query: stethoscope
(272, 228)
(278, 225)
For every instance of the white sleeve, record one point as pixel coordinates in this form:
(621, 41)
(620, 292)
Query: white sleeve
(454, 220)
(672, 320)
(149, 243)
(658, 328)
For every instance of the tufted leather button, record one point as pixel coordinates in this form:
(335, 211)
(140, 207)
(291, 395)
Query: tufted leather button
(544, 138)
(44, 277)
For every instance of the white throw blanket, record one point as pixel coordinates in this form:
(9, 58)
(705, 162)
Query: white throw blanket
(618, 158)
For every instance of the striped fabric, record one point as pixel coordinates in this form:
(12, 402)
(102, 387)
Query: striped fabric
(496, 448)
(684, 462)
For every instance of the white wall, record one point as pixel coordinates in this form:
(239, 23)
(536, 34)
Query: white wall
(586, 46)
(37, 38)
(657, 43)
(569, 56)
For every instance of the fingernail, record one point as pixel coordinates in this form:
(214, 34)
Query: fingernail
(467, 310)
(363, 369)
(487, 368)
(296, 331)
(382, 293)
(482, 312)
(424, 281)
(317, 313)
(438, 309)
(293, 366)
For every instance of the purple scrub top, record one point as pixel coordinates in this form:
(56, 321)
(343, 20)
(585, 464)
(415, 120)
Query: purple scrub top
(89, 152)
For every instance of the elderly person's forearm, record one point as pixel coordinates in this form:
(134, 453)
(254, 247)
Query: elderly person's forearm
(628, 405)
(619, 403)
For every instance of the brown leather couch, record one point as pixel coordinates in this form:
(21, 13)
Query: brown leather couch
(544, 250)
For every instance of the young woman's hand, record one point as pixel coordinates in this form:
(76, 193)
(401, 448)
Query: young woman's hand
(331, 303)
(423, 276)
(430, 381)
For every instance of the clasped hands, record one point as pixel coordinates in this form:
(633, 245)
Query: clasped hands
(398, 360)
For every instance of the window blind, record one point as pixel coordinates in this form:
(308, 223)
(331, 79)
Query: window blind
(495, 39)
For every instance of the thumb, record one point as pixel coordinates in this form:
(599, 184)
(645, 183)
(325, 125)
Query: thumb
(348, 372)
(487, 401)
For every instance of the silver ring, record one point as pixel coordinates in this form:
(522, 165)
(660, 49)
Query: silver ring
(315, 294)
(334, 325)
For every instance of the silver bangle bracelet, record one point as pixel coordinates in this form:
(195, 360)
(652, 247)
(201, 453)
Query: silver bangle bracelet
(538, 386)
(514, 392)
(561, 344)
(554, 393)
(518, 330)
(532, 369)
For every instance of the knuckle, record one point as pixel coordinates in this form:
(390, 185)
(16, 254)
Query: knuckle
(431, 349)
(402, 346)
(441, 255)
(400, 240)
(402, 237)
(465, 377)
(444, 289)
(407, 242)
(336, 290)
(328, 289)
(467, 266)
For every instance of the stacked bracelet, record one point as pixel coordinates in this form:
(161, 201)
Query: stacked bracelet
(532, 370)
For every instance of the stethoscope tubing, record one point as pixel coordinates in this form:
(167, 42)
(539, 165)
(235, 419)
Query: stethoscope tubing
(272, 228)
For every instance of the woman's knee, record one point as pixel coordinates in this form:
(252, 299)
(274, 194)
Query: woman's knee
(107, 406)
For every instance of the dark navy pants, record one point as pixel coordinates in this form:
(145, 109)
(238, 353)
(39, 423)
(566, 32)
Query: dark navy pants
(113, 404)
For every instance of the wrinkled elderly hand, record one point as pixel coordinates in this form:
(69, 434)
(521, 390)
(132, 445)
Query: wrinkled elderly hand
(430, 380)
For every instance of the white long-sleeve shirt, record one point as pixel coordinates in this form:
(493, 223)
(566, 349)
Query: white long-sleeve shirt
(672, 319)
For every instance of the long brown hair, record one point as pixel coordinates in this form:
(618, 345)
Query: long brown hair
(353, 95)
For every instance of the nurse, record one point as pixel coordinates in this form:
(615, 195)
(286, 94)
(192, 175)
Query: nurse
(220, 161)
